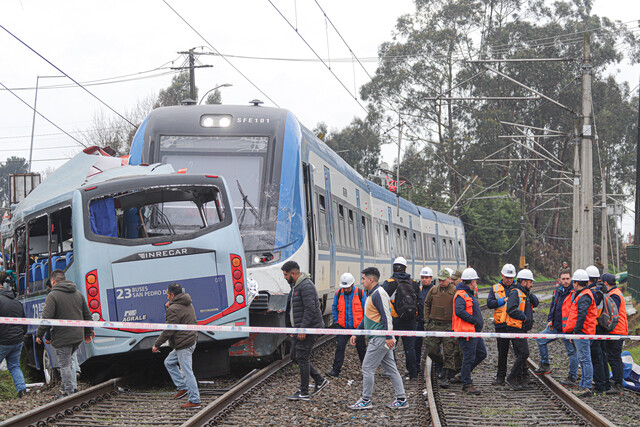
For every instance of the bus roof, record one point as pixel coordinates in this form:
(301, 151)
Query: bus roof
(87, 167)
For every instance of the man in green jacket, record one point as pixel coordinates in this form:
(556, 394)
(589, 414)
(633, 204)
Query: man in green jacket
(65, 302)
(179, 362)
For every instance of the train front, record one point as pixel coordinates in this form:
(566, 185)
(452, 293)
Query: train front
(257, 150)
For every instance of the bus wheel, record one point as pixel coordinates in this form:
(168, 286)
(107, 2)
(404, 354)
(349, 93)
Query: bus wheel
(50, 373)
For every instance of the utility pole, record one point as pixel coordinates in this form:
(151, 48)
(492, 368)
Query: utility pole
(604, 244)
(586, 170)
(192, 72)
(576, 235)
(398, 165)
(636, 232)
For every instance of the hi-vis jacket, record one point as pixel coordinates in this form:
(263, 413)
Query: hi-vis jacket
(581, 313)
(348, 309)
(520, 307)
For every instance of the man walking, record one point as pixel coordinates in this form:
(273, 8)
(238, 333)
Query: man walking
(582, 317)
(348, 312)
(404, 293)
(520, 305)
(426, 283)
(613, 348)
(468, 318)
(561, 294)
(497, 300)
(11, 338)
(65, 302)
(377, 316)
(438, 312)
(303, 311)
(183, 343)
(598, 355)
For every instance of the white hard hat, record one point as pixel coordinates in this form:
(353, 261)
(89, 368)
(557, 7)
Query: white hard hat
(450, 270)
(580, 275)
(426, 272)
(593, 272)
(508, 270)
(400, 260)
(469, 274)
(525, 274)
(346, 280)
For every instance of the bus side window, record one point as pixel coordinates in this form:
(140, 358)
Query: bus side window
(61, 241)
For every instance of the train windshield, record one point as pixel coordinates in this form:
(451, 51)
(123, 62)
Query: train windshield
(243, 162)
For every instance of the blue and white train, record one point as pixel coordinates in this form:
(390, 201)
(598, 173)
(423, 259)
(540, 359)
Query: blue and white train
(295, 199)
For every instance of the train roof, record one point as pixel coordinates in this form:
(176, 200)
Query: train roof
(90, 166)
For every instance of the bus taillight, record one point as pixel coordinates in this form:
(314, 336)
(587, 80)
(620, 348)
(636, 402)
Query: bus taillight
(238, 280)
(93, 295)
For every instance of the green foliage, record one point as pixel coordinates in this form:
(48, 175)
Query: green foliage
(214, 98)
(177, 92)
(13, 165)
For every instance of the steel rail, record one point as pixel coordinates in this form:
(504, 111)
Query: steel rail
(66, 406)
(586, 411)
(216, 410)
(431, 400)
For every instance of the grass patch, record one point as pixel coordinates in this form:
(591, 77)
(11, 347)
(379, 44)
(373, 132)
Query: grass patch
(544, 310)
(635, 353)
(7, 389)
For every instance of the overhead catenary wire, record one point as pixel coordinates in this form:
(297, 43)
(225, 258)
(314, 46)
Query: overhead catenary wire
(218, 52)
(67, 75)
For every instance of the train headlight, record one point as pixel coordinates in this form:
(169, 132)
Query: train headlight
(239, 299)
(215, 120)
(95, 317)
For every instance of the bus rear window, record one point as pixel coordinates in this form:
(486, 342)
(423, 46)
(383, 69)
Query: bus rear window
(155, 212)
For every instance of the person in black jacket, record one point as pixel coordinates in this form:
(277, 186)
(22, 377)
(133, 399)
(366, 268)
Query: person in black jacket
(11, 338)
(303, 311)
(520, 305)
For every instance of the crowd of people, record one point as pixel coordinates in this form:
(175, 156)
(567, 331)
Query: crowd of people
(583, 303)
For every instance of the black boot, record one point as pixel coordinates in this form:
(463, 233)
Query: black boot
(444, 382)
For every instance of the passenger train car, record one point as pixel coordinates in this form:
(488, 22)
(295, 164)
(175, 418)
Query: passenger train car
(295, 199)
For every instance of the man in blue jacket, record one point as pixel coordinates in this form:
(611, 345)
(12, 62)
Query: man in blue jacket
(520, 305)
(303, 311)
(426, 283)
(554, 326)
(497, 301)
(348, 312)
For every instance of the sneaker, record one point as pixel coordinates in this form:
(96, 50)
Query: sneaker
(180, 394)
(22, 393)
(569, 382)
(513, 383)
(544, 369)
(191, 405)
(318, 388)
(470, 389)
(583, 392)
(398, 404)
(332, 374)
(298, 395)
(444, 383)
(498, 381)
(361, 404)
(457, 378)
(616, 390)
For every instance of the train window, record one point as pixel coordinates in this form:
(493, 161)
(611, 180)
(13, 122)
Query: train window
(321, 202)
(387, 249)
(322, 221)
(352, 231)
(417, 246)
(337, 235)
(434, 247)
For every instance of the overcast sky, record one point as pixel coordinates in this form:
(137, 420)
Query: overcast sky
(95, 40)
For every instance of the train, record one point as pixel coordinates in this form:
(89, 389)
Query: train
(295, 199)
(122, 234)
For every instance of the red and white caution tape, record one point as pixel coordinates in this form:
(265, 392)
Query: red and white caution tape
(312, 331)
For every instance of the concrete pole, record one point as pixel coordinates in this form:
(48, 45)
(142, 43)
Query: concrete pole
(576, 235)
(604, 243)
(586, 171)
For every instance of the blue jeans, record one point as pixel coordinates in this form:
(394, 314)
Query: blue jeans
(583, 348)
(568, 346)
(179, 366)
(473, 352)
(12, 354)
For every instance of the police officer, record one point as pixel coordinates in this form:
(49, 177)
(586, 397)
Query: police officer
(426, 283)
(613, 348)
(497, 300)
(404, 294)
(582, 317)
(438, 314)
(348, 312)
(520, 305)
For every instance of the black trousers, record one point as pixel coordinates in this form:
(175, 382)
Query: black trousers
(419, 343)
(301, 354)
(503, 353)
(613, 350)
(408, 343)
(521, 349)
(600, 366)
(341, 344)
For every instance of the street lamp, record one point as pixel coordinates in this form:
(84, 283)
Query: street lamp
(211, 90)
(33, 123)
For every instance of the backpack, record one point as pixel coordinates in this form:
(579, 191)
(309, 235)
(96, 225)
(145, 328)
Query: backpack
(406, 299)
(608, 318)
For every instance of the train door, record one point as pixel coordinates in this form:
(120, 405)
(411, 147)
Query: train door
(413, 249)
(359, 227)
(307, 171)
(332, 245)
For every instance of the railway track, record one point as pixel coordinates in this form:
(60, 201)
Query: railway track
(545, 403)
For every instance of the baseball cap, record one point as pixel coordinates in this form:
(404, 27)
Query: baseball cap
(456, 275)
(443, 274)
